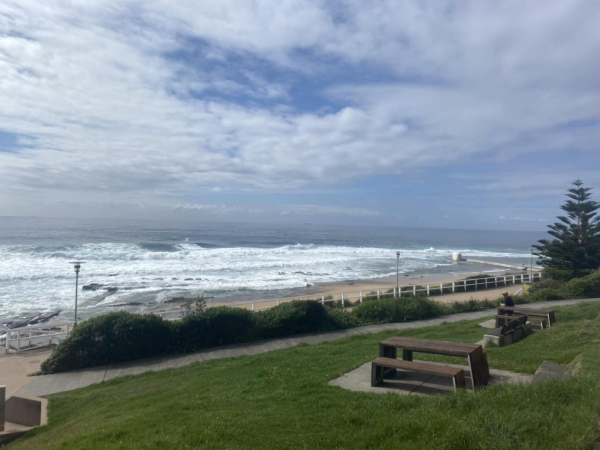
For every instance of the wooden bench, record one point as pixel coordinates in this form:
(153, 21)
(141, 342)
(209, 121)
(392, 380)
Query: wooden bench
(379, 366)
(509, 329)
(547, 314)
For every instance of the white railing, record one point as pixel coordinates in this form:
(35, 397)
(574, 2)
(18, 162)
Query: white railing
(17, 339)
(349, 297)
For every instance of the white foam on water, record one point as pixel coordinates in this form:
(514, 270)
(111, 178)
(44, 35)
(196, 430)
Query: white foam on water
(36, 278)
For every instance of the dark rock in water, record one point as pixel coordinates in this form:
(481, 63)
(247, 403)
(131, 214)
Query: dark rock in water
(17, 321)
(198, 279)
(112, 290)
(97, 299)
(44, 317)
(159, 279)
(188, 279)
(33, 319)
(92, 287)
(113, 274)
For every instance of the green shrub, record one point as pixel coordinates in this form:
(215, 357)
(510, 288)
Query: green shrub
(111, 338)
(551, 273)
(397, 310)
(470, 305)
(338, 319)
(584, 287)
(295, 317)
(216, 326)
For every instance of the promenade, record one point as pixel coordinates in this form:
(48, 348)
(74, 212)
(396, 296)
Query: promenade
(20, 384)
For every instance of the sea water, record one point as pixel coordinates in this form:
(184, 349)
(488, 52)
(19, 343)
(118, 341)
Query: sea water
(148, 261)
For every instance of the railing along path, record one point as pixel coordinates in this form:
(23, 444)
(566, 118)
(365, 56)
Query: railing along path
(474, 284)
(17, 339)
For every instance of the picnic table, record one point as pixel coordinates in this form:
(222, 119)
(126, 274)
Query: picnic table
(546, 314)
(478, 366)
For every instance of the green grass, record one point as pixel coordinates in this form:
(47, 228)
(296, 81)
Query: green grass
(281, 399)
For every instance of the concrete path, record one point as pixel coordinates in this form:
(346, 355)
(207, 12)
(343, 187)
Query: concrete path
(50, 384)
(15, 368)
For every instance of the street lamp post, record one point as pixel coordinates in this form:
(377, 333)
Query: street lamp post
(77, 266)
(397, 273)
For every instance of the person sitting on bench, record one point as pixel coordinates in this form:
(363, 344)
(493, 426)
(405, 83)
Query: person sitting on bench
(508, 301)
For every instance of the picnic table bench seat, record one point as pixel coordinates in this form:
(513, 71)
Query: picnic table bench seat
(379, 366)
(510, 330)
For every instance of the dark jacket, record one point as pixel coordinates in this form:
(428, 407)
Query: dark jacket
(508, 301)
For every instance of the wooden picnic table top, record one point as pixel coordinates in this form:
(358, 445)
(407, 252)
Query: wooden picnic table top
(533, 311)
(432, 346)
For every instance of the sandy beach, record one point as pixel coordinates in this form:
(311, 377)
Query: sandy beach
(352, 290)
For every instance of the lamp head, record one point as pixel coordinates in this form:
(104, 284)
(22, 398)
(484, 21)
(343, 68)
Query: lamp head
(77, 265)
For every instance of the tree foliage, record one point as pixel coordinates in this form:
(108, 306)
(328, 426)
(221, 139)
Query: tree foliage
(575, 249)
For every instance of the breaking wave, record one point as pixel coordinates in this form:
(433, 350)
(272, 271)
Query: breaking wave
(43, 276)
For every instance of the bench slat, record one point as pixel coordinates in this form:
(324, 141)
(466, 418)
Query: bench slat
(428, 346)
(424, 367)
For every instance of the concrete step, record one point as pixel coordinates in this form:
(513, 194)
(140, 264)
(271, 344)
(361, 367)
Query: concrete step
(549, 370)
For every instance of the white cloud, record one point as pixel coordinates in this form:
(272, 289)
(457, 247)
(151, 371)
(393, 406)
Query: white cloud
(95, 90)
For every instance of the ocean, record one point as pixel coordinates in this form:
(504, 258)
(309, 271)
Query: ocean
(148, 261)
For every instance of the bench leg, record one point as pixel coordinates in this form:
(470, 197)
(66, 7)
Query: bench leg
(485, 370)
(376, 375)
(388, 352)
(407, 355)
(459, 381)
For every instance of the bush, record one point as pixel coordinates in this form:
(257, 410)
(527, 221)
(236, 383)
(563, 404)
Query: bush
(553, 289)
(118, 337)
(397, 310)
(111, 338)
(584, 287)
(551, 273)
(470, 305)
(214, 327)
(295, 317)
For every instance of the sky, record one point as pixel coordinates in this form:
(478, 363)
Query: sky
(450, 114)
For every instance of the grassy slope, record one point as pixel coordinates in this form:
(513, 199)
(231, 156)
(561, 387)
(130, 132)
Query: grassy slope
(281, 400)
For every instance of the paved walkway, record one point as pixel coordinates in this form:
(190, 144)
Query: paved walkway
(50, 384)
(15, 368)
